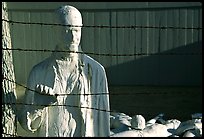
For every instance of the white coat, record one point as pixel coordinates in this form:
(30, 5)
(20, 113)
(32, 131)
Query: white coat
(83, 115)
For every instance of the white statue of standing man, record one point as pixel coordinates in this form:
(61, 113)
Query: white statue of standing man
(56, 102)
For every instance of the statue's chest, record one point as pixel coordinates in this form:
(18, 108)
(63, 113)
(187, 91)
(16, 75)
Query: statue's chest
(66, 76)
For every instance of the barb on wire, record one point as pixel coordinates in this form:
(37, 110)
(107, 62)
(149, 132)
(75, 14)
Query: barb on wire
(102, 54)
(101, 26)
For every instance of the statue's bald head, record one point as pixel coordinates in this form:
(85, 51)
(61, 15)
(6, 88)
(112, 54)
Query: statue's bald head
(69, 15)
(69, 37)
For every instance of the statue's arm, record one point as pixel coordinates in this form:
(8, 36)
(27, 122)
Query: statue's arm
(30, 115)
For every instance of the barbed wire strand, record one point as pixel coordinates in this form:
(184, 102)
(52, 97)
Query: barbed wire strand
(138, 93)
(49, 95)
(99, 26)
(101, 54)
(52, 105)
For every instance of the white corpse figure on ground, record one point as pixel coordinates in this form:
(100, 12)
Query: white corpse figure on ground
(59, 106)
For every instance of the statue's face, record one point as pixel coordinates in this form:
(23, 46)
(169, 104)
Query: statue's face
(71, 36)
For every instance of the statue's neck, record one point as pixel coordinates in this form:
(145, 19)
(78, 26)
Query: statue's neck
(66, 56)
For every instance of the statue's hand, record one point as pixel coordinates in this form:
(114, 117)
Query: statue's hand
(44, 90)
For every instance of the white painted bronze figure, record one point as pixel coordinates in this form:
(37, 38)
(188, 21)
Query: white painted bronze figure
(58, 102)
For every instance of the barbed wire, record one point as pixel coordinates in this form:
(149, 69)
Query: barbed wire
(46, 94)
(19, 103)
(99, 26)
(52, 105)
(102, 54)
(118, 94)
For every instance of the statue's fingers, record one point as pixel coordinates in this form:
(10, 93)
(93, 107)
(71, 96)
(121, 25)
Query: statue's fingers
(41, 88)
(45, 89)
(50, 91)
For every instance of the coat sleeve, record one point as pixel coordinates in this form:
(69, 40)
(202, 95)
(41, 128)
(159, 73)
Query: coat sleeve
(30, 115)
(97, 119)
(104, 115)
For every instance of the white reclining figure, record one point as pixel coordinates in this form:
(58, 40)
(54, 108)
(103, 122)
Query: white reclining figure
(119, 122)
(190, 128)
(154, 120)
(138, 122)
(154, 130)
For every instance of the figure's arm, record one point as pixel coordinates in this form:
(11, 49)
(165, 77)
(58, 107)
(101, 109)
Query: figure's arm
(30, 113)
(35, 100)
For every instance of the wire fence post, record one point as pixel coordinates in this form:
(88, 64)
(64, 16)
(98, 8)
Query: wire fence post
(9, 119)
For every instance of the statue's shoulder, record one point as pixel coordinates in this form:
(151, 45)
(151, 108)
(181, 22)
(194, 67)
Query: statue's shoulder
(43, 65)
(93, 63)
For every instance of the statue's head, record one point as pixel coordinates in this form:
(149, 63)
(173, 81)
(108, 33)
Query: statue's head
(70, 35)
(69, 15)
